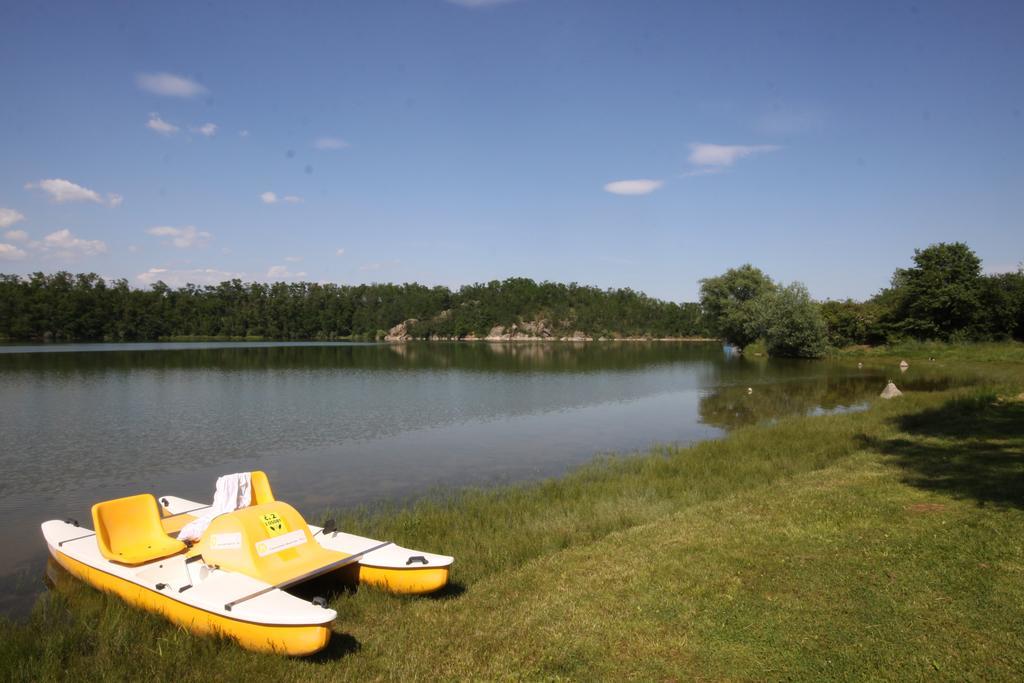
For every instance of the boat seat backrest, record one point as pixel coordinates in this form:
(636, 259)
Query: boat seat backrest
(261, 492)
(128, 530)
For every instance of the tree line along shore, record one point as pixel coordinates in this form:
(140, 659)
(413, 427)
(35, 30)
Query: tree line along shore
(944, 296)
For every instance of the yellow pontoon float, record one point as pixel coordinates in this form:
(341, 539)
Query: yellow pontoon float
(231, 582)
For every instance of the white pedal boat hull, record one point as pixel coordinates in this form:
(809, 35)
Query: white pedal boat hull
(391, 567)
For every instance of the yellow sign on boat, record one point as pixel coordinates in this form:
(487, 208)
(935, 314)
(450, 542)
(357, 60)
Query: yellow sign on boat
(273, 523)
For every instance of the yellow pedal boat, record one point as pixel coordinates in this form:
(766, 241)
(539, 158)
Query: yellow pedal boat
(232, 581)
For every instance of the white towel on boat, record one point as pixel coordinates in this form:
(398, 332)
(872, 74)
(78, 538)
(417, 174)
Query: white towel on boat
(233, 492)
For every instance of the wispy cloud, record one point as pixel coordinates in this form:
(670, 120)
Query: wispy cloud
(169, 85)
(339, 252)
(282, 273)
(155, 123)
(9, 252)
(207, 129)
(184, 237)
(331, 143)
(637, 186)
(721, 156)
(64, 243)
(292, 259)
(16, 235)
(243, 133)
(9, 217)
(273, 198)
(114, 200)
(61, 191)
(180, 278)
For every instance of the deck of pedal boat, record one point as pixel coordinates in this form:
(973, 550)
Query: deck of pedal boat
(273, 621)
(389, 566)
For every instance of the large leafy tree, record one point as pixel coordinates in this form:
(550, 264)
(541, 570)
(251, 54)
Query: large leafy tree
(941, 295)
(790, 323)
(727, 302)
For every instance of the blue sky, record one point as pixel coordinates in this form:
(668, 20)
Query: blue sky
(617, 143)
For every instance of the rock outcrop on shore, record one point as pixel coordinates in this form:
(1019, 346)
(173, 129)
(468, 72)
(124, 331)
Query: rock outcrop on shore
(539, 330)
(523, 331)
(400, 332)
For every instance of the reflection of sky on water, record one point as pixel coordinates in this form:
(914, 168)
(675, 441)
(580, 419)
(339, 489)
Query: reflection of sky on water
(337, 425)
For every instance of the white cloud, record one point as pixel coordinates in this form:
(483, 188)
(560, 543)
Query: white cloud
(272, 198)
(633, 187)
(705, 154)
(207, 129)
(9, 217)
(16, 235)
(169, 85)
(183, 237)
(180, 278)
(292, 259)
(282, 273)
(64, 243)
(9, 252)
(114, 199)
(61, 191)
(340, 252)
(243, 133)
(159, 125)
(331, 143)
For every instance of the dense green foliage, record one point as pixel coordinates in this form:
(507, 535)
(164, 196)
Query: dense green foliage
(743, 305)
(943, 297)
(790, 323)
(727, 302)
(70, 307)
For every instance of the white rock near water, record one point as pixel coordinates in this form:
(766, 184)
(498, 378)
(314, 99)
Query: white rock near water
(890, 391)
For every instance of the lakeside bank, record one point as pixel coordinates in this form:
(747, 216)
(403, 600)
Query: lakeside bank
(864, 545)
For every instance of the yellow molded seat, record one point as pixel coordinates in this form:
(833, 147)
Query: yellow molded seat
(270, 542)
(261, 492)
(128, 530)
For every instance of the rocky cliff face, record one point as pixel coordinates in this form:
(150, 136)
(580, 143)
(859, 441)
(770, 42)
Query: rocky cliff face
(400, 332)
(538, 330)
(533, 330)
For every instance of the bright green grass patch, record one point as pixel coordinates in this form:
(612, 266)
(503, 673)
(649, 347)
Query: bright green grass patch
(883, 544)
(985, 352)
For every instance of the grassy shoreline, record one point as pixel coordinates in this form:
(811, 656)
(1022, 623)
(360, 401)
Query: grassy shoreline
(970, 352)
(879, 544)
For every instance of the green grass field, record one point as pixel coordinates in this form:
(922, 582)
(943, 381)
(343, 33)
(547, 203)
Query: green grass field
(974, 352)
(885, 544)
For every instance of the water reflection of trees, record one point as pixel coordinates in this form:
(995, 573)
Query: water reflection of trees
(733, 405)
(560, 357)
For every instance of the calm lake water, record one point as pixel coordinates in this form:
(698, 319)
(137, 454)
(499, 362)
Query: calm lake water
(342, 424)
